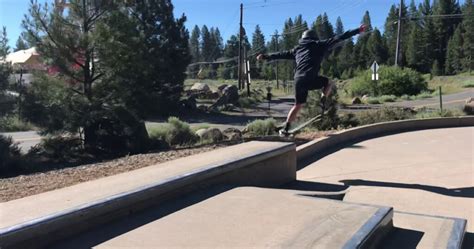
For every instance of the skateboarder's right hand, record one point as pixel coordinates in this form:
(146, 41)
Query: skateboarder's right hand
(362, 28)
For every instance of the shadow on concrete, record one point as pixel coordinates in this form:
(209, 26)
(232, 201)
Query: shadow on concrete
(103, 233)
(402, 238)
(467, 192)
(468, 242)
(320, 190)
(356, 146)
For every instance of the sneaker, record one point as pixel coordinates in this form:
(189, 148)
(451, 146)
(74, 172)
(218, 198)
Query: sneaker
(285, 127)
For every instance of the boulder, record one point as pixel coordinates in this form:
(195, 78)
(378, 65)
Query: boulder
(200, 87)
(213, 134)
(356, 101)
(200, 132)
(233, 134)
(222, 87)
(469, 106)
(365, 98)
(189, 102)
(232, 94)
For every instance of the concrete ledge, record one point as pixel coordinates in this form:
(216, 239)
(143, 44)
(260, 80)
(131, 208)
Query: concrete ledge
(428, 231)
(249, 217)
(31, 222)
(321, 147)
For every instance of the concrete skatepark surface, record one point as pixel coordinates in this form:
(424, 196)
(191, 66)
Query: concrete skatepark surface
(424, 172)
(245, 217)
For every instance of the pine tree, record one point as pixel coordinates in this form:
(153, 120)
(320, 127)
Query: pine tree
(468, 36)
(339, 26)
(444, 27)
(258, 46)
(20, 44)
(427, 39)
(5, 69)
(361, 51)
(346, 57)
(206, 44)
(455, 54)
(376, 47)
(194, 44)
(218, 43)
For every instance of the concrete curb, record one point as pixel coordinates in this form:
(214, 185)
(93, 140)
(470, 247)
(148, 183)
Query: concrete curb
(373, 230)
(37, 232)
(319, 148)
(456, 236)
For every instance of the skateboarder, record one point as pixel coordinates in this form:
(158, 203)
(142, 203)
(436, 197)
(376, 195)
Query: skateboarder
(308, 55)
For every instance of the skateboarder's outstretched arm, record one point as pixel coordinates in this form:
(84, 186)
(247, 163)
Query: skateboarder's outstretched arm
(333, 41)
(285, 55)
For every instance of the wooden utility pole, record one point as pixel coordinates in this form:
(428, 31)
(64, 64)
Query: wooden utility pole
(398, 54)
(276, 62)
(240, 46)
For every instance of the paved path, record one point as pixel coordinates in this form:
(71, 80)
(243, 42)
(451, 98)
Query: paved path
(451, 101)
(26, 139)
(427, 172)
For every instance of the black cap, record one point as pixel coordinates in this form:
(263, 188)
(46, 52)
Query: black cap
(309, 34)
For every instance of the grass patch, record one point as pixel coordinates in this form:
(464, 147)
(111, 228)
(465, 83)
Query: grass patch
(262, 127)
(451, 84)
(373, 101)
(438, 114)
(175, 132)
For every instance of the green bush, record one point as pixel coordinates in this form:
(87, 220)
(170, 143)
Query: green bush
(468, 84)
(13, 123)
(424, 113)
(175, 132)
(10, 156)
(388, 98)
(383, 115)
(312, 109)
(373, 101)
(59, 149)
(392, 81)
(262, 127)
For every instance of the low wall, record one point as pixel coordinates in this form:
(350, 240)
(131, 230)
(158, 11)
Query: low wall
(319, 148)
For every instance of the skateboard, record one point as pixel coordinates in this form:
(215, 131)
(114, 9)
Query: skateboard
(297, 129)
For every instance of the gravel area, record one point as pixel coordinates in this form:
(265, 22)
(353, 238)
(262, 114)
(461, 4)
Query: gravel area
(26, 185)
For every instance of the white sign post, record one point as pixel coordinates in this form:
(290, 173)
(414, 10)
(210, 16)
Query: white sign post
(375, 69)
(375, 76)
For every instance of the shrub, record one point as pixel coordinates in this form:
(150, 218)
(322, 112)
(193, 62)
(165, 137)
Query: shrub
(175, 132)
(388, 98)
(423, 113)
(13, 123)
(393, 81)
(59, 149)
(312, 109)
(468, 84)
(383, 115)
(10, 156)
(424, 95)
(262, 127)
(373, 101)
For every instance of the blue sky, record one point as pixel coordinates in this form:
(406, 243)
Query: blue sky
(224, 14)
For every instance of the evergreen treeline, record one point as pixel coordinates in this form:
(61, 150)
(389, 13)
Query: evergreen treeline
(437, 37)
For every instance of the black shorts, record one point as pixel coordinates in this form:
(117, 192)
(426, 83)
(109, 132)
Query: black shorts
(305, 84)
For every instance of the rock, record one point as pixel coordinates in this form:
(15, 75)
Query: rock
(214, 94)
(202, 108)
(233, 134)
(221, 88)
(356, 101)
(200, 87)
(232, 94)
(365, 98)
(469, 106)
(189, 102)
(200, 132)
(212, 134)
